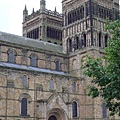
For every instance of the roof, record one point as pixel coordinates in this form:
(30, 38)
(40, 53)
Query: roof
(28, 42)
(32, 69)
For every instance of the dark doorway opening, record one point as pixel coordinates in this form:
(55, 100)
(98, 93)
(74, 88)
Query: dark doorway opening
(52, 118)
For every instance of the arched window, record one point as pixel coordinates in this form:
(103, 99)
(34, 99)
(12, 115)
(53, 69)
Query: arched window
(51, 84)
(33, 60)
(100, 36)
(74, 109)
(77, 42)
(106, 40)
(24, 107)
(57, 65)
(84, 36)
(11, 56)
(69, 18)
(104, 111)
(24, 81)
(74, 86)
(70, 45)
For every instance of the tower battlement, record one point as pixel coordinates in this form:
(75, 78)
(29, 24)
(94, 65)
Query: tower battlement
(43, 24)
(47, 12)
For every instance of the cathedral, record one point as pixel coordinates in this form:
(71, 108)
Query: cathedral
(40, 72)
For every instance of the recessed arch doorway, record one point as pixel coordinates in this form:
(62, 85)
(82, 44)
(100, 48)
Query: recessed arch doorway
(52, 117)
(56, 114)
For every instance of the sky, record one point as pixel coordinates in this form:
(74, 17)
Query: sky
(11, 13)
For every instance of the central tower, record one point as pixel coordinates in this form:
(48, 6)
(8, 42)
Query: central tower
(84, 33)
(84, 23)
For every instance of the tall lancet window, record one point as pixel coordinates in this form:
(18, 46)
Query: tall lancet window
(74, 109)
(24, 107)
(57, 65)
(106, 40)
(84, 36)
(24, 81)
(51, 84)
(70, 45)
(104, 111)
(100, 37)
(74, 86)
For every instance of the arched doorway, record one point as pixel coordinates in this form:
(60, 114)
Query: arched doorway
(56, 114)
(52, 118)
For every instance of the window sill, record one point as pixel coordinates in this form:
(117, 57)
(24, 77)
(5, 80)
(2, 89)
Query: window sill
(52, 90)
(25, 87)
(75, 117)
(24, 115)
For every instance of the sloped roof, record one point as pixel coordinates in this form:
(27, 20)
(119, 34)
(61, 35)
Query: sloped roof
(30, 68)
(28, 42)
(35, 69)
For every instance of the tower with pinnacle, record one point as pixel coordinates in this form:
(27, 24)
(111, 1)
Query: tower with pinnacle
(42, 5)
(43, 24)
(25, 13)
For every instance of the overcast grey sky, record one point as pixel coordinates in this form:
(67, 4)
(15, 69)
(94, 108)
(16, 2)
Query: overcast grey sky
(11, 13)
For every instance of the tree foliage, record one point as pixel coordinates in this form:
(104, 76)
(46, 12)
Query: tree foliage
(107, 77)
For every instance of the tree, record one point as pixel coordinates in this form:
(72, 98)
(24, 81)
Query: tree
(106, 78)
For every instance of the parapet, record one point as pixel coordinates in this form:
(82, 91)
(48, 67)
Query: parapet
(47, 12)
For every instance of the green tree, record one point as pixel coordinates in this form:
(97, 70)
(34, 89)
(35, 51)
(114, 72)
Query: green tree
(106, 78)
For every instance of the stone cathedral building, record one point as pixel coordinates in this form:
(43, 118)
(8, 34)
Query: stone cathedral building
(40, 75)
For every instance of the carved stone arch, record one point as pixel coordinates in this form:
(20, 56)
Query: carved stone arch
(57, 59)
(34, 55)
(25, 75)
(75, 99)
(25, 95)
(12, 50)
(59, 113)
